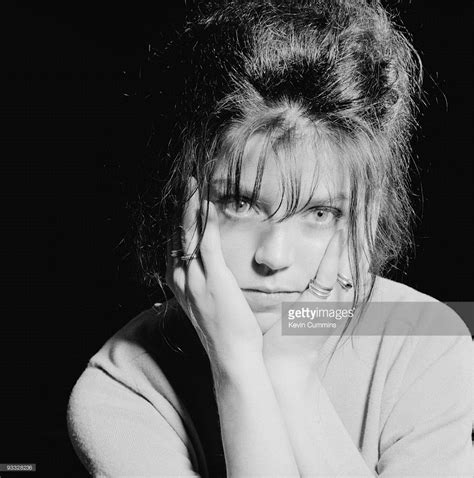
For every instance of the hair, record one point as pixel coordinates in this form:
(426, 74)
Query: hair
(342, 70)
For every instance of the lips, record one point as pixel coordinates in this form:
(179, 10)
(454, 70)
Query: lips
(272, 291)
(262, 300)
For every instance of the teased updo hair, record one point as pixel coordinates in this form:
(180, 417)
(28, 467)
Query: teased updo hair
(343, 67)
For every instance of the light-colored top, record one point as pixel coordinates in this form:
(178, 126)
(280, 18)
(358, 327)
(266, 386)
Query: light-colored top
(142, 408)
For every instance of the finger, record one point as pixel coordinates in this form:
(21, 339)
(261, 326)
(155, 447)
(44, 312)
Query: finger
(345, 281)
(328, 267)
(189, 223)
(175, 275)
(190, 236)
(174, 249)
(326, 275)
(211, 249)
(194, 287)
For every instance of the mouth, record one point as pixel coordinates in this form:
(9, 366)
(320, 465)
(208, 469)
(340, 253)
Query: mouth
(263, 299)
(270, 291)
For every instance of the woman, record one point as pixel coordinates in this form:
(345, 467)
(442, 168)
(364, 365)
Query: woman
(288, 185)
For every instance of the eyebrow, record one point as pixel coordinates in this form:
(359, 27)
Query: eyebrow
(246, 191)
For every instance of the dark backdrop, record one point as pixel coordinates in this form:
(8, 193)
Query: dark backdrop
(75, 153)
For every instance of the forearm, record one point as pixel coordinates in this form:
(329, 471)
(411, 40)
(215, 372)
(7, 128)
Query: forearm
(254, 436)
(321, 444)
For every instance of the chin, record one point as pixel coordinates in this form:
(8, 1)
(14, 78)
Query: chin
(266, 320)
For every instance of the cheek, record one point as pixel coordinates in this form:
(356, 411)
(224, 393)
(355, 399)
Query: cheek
(309, 251)
(238, 248)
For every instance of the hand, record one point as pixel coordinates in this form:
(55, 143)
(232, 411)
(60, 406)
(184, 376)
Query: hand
(208, 291)
(287, 353)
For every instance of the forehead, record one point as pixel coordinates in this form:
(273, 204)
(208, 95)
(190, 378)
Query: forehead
(307, 163)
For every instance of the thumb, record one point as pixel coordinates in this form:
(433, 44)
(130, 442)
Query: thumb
(211, 249)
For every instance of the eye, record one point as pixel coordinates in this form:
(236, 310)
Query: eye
(325, 216)
(240, 207)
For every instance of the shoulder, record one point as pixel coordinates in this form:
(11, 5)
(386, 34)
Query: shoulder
(406, 309)
(414, 336)
(140, 336)
(429, 388)
(390, 290)
(124, 405)
(122, 364)
(132, 356)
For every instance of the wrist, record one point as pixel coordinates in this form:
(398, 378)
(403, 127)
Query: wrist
(291, 372)
(236, 364)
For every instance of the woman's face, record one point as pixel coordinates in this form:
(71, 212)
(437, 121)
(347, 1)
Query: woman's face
(267, 256)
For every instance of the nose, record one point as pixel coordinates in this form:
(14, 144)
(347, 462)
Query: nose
(275, 247)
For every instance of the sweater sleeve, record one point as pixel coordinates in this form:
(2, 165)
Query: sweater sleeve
(116, 432)
(428, 430)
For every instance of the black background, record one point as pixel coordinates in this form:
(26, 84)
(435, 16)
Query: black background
(74, 148)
